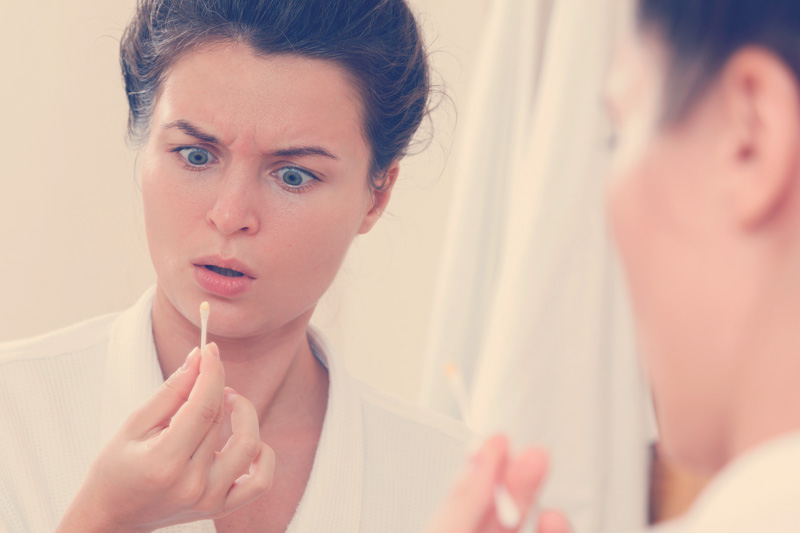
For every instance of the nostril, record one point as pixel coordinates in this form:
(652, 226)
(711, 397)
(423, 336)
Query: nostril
(232, 214)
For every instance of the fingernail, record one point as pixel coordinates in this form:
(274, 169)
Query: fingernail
(229, 394)
(212, 349)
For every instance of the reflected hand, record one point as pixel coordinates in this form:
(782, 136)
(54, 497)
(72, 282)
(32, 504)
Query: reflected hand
(162, 467)
(469, 508)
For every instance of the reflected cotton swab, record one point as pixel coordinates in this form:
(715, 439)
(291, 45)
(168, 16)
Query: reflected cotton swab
(508, 513)
(204, 308)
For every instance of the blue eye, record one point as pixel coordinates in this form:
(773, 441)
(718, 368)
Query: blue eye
(294, 177)
(196, 157)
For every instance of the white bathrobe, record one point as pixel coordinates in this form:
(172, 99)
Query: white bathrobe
(757, 492)
(381, 465)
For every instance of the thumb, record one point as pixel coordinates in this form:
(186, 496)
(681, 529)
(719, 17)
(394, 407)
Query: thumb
(471, 498)
(157, 411)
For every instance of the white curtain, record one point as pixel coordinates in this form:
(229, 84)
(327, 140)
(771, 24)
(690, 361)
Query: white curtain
(530, 304)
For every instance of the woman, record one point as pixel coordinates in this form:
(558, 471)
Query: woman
(269, 136)
(704, 204)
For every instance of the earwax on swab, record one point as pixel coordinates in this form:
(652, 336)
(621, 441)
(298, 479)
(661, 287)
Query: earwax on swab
(508, 514)
(204, 308)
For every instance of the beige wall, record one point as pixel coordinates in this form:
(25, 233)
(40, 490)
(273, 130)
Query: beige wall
(70, 227)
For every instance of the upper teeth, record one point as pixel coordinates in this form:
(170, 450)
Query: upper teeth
(224, 271)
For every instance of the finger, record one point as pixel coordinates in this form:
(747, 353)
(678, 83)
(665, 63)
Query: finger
(243, 446)
(523, 477)
(204, 455)
(470, 502)
(195, 417)
(156, 412)
(552, 522)
(255, 483)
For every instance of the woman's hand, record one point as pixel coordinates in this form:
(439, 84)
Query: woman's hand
(470, 506)
(163, 468)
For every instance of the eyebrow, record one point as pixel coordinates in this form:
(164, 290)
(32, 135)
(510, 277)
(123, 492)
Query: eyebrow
(190, 129)
(302, 151)
(298, 151)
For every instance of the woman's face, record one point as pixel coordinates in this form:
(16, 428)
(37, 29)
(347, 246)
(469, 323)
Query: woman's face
(666, 216)
(254, 183)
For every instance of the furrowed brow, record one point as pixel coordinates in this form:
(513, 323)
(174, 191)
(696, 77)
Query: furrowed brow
(190, 129)
(302, 151)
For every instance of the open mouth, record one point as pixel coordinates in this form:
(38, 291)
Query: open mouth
(224, 271)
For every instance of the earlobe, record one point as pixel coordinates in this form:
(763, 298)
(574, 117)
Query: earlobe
(380, 198)
(763, 106)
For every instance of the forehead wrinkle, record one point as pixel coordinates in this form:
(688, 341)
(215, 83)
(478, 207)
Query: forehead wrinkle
(277, 119)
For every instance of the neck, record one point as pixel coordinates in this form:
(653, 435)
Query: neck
(275, 370)
(766, 399)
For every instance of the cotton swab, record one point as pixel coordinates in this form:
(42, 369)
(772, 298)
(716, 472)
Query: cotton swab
(508, 513)
(459, 391)
(204, 308)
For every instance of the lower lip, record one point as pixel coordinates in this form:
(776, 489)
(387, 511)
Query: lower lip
(225, 286)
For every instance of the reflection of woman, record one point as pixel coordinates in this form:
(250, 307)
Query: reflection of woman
(705, 207)
(270, 135)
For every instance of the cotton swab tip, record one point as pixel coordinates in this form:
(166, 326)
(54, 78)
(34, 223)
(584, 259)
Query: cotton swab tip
(507, 511)
(204, 307)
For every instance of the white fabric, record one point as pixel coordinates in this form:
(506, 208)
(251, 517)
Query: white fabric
(760, 491)
(381, 465)
(530, 304)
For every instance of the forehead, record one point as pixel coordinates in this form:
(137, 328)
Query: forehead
(261, 98)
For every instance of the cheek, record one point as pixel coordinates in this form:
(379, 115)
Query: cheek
(169, 211)
(628, 204)
(315, 234)
(328, 229)
(641, 218)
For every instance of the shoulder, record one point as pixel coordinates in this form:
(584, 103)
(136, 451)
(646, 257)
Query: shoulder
(78, 338)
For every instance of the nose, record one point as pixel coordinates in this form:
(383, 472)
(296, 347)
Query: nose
(234, 210)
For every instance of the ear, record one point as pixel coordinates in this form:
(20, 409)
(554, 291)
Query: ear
(380, 199)
(762, 106)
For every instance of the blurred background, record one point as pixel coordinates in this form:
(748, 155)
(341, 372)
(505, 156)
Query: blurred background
(493, 254)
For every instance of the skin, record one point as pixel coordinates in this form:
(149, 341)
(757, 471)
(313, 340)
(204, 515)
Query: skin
(219, 179)
(469, 508)
(705, 210)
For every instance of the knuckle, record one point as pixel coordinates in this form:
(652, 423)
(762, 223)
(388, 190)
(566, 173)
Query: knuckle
(262, 480)
(160, 474)
(191, 492)
(250, 446)
(262, 477)
(220, 417)
(208, 506)
(170, 389)
(208, 411)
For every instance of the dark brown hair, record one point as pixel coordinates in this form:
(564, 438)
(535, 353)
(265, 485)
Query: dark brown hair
(377, 42)
(701, 35)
